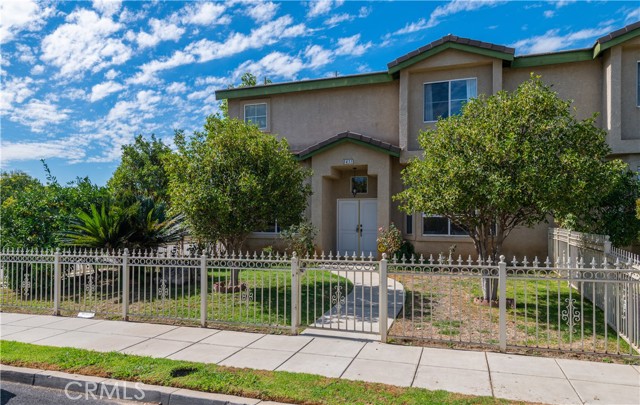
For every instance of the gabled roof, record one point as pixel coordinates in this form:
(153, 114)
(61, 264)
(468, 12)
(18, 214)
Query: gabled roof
(451, 42)
(448, 42)
(349, 137)
(616, 37)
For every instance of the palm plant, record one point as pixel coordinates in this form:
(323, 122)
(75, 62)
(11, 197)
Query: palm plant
(141, 225)
(104, 228)
(152, 227)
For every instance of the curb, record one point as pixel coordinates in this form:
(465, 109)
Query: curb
(108, 388)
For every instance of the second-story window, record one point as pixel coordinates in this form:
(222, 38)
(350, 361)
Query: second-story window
(443, 99)
(256, 114)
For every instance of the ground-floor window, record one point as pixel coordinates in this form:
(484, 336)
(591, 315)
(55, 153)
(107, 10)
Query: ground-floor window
(408, 224)
(273, 227)
(439, 225)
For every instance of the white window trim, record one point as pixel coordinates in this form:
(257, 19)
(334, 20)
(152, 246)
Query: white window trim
(266, 110)
(439, 235)
(444, 81)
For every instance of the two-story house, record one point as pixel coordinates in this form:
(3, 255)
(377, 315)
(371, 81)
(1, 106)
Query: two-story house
(358, 132)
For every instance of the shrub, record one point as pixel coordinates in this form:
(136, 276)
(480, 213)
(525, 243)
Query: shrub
(389, 240)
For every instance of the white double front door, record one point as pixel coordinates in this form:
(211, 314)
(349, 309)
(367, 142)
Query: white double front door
(357, 226)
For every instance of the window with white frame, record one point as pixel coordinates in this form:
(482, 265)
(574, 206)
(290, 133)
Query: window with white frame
(256, 114)
(408, 224)
(439, 225)
(443, 99)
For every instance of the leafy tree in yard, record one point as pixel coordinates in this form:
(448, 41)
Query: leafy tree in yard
(232, 179)
(141, 172)
(616, 213)
(508, 160)
(33, 214)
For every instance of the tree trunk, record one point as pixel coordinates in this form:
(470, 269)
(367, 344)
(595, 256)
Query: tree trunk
(488, 247)
(235, 277)
(489, 289)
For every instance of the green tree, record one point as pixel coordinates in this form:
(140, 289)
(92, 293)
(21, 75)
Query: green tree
(33, 215)
(246, 80)
(616, 212)
(232, 179)
(141, 172)
(510, 159)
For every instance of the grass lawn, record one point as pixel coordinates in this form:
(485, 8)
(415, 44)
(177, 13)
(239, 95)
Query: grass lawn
(265, 302)
(265, 385)
(441, 308)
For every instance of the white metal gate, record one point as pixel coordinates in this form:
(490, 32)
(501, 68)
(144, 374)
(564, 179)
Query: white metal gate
(342, 294)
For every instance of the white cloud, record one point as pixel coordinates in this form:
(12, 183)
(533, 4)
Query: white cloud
(318, 56)
(202, 13)
(25, 53)
(320, 7)
(107, 7)
(160, 31)
(551, 41)
(549, 13)
(218, 81)
(176, 87)
(338, 18)
(148, 70)
(111, 74)
(38, 115)
(266, 34)
(145, 102)
(275, 64)
(262, 11)
(84, 43)
(37, 70)
(562, 3)
(350, 46)
(453, 7)
(102, 90)
(21, 15)
(634, 15)
(15, 90)
(69, 149)
(74, 94)
(206, 50)
(364, 12)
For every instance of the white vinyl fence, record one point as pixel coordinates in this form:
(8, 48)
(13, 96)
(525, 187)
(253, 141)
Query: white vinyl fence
(541, 306)
(620, 302)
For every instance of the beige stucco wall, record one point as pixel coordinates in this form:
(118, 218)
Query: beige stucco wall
(306, 118)
(448, 65)
(580, 82)
(630, 113)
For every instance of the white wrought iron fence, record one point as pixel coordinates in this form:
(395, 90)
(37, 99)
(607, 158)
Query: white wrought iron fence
(540, 306)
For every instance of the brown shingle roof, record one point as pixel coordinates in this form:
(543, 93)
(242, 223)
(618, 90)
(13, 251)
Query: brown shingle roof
(455, 39)
(617, 33)
(385, 146)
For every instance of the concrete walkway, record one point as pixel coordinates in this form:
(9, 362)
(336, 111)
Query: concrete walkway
(360, 310)
(534, 379)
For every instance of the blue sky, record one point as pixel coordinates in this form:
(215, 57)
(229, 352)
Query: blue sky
(81, 79)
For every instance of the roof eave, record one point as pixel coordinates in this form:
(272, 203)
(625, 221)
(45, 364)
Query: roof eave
(449, 45)
(305, 85)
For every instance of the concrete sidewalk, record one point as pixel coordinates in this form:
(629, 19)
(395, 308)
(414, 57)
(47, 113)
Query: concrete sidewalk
(534, 379)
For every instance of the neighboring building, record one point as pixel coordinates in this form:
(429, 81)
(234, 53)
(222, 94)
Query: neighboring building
(357, 132)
